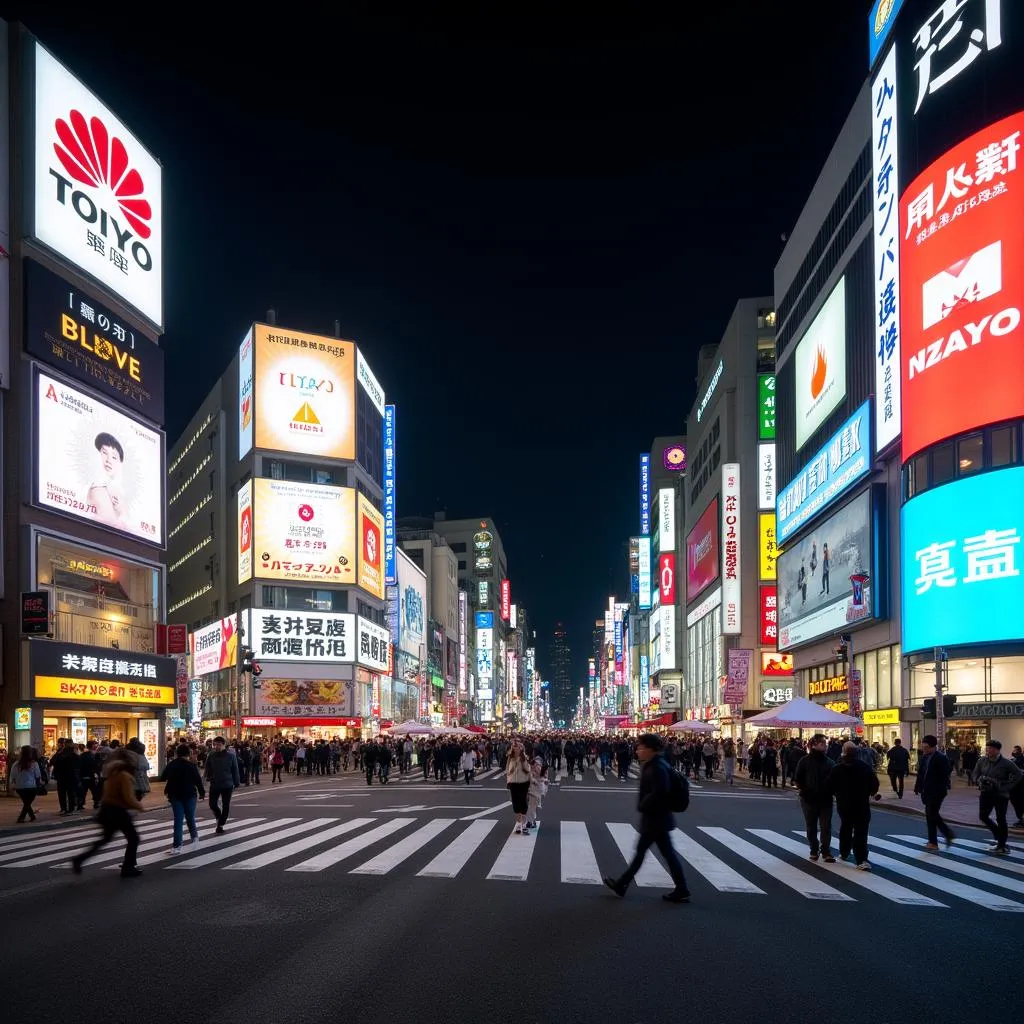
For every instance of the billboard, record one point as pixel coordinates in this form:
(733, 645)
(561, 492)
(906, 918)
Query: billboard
(645, 495)
(841, 463)
(766, 407)
(961, 578)
(304, 532)
(412, 611)
(666, 519)
(245, 532)
(880, 22)
(97, 193)
(97, 464)
(667, 639)
(300, 636)
(305, 698)
(80, 336)
(463, 641)
(732, 579)
(304, 393)
(820, 360)
(644, 582)
(766, 476)
(390, 478)
(962, 261)
(768, 551)
(673, 458)
(814, 588)
(702, 561)
(768, 602)
(773, 664)
(215, 647)
(506, 600)
(245, 395)
(370, 531)
(372, 645)
(634, 566)
(667, 577)
(369, 383)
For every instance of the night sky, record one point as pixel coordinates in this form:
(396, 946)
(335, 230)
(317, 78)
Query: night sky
(529, 224)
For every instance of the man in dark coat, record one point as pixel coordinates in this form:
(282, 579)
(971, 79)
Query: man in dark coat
(932, 785)
(853, 784)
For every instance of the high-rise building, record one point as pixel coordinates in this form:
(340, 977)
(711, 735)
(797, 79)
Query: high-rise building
(563, 693)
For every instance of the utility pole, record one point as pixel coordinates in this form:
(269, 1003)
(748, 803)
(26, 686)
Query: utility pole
(239, 678)
(940, 685)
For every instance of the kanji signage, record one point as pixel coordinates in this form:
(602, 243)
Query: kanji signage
(299, 636)
(769, 616)
(372, 645)
(732, 589)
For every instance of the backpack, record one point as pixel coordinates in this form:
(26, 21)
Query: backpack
(678, 791)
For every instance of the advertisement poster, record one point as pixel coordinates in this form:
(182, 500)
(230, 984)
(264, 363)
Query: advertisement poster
(245, 385)
(97, 464)
(304, 532)
(296, 636)
(372, 643)
(215, 647)
(245, 532)
(739, 676)
(305, 393)
(371, 547)
(390, 482)
(412, 612)
(149, 737)
(305, 698)
(821, 366)
(732, 589)
(768, 549)
(702, 560)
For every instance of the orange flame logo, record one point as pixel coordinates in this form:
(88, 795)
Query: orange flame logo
(819, 373)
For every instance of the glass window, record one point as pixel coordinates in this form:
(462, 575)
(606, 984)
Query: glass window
(1007, 677)
(943, 464)
(871, 679)
(897, 675)
(918, 475)
(970, 455)
(885, 678)
(1004, 446)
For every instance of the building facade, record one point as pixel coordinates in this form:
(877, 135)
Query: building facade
(563, 692)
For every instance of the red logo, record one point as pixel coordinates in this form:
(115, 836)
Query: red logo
(93, 157)
(306, 513)
(667, 577)
(371, 543)
(819, 373)
(245, 530)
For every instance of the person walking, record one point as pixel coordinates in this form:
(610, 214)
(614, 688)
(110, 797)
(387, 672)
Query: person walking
(932, 785)
(26, 780)
(898, 764)
(995, 776)
(468, 764)
(853, 784)
(729, 760)
(517, 779)
(276, 764)
(117, 800)
(183, 786)
(811, 780)
(656, 820)
(223, 776)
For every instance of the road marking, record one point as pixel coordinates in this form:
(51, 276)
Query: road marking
(975, 845)
(974, 855)
(73, 836)
(513, 863)
(881, 886)
(451, 860)
(799, 881)
(579, 865)
(978, 874)
(250, 844)
(300, 846)
(47, 855)
(503, 806)
(716, 871)
(651, 873)
(351, 847)
(403, 850)
(117, 854)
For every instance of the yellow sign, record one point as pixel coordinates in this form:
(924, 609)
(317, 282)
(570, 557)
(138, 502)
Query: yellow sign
(819, 687)
(883, 716)
(841, 706)
(769, 552)
(304, 532)
(305, 390)
(371, 548)
(57, 688)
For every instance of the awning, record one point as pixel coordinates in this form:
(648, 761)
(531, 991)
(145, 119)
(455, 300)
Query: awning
(654, 723)
(257, 722)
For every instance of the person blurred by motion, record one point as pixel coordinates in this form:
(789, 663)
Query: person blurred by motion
(117, 801)
(183, 787)
(853, 784)
(656, 819)
(933, 782)
(995, 776)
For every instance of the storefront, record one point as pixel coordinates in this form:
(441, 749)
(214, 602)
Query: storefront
(882, 726)
(81, 693)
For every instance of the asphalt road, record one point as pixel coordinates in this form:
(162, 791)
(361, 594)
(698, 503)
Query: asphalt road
(417, 899)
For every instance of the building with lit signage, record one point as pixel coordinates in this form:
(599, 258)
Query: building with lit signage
(725, 582)
(82, 376)
(563, 692)
(276, 538)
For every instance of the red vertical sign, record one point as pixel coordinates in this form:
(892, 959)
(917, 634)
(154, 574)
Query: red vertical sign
(506, 600)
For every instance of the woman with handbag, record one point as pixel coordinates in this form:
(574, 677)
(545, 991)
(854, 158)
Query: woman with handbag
(517, 779)
(27, 781)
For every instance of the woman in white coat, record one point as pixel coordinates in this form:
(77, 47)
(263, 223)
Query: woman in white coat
(467, 763)
(517, 779)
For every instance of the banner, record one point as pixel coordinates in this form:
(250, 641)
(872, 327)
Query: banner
(739, 676)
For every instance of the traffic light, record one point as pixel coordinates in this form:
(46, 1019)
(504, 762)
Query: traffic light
(948, 704)
(247, 659)
(256, 669)
(929, 707)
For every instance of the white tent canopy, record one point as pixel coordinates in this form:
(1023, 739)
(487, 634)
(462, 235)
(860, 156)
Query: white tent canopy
(410, 728)
(801, 713)
(694, 726)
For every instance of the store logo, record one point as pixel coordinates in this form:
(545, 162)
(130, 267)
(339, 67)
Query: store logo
(245, 530)
(961, 283)
(1002, 323)
(305, 417)
(819, 373)
(371, 543)
(674, 457)
(306, 513)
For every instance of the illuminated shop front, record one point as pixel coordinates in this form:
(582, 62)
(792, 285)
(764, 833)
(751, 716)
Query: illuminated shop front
(83, 693)
(267, 727)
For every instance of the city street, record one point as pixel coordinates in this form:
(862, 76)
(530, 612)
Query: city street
(417, 894)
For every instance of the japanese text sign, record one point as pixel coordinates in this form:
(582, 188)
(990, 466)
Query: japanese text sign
(283, 635)
(732, 588)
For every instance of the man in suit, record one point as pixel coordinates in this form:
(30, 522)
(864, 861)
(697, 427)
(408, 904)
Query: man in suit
(656, 820)
(932, 786)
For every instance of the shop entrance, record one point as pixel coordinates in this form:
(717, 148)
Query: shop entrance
(966, 735)
(82, 726)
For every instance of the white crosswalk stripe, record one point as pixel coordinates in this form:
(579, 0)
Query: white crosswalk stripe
(720, 862)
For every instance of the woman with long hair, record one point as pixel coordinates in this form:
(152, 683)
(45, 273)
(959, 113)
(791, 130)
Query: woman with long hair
(517, 779)
(26, 778)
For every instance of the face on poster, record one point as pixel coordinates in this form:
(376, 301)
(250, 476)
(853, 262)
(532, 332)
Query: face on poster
(305, 393)
(304, 532)
(97, 464)
(371, 548)
(245, 532)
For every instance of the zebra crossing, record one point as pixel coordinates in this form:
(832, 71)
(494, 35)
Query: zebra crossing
(734, 862)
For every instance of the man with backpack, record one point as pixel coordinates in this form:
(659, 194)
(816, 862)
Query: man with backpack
(662, 791)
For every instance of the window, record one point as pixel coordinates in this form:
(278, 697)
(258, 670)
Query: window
(943, 464)
(462, 565)
(970, 454)
(885, 678)
(303, 599)
(297, 472)
(871, 679)
(459, 547)
(1004, 446)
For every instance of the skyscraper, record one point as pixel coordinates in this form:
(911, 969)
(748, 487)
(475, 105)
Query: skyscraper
(563, 693)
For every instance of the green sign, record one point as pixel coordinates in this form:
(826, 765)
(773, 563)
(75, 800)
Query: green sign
(438, 682)
(766, 407)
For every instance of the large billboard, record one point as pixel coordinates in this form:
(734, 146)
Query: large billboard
(820, 361)
(702, 560)
(644, 574)
(245, 390)
(96, 463)
(245, 532)
(961, 571)
(304, 532)
(304, 393)
(815, 594)
(369, 383)
(370, 531)
(215, 647)
(412, 609)
(72, 331)
(962, 256)
(645, 495)
(666, 519)
(390, 480)
(97, 193)
(732, 551)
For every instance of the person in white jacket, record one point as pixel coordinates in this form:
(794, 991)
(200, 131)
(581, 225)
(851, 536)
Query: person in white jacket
(467, 763)
(535, 793)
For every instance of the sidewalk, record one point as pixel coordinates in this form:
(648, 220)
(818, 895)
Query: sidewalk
(47, 810)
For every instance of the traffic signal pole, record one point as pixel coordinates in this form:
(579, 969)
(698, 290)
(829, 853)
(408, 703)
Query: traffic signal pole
(940, 685)
(239, 678)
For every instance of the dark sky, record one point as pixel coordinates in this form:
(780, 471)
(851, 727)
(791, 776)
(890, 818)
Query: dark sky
(529, 223)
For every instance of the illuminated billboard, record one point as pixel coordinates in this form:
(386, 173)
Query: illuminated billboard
(215, 647)
(370, 531)
(245, 389)
(820, 360)
(702, 561)
(245, 532)
(304, 532)
(644, 567)
(304, 393)
(732, 588)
